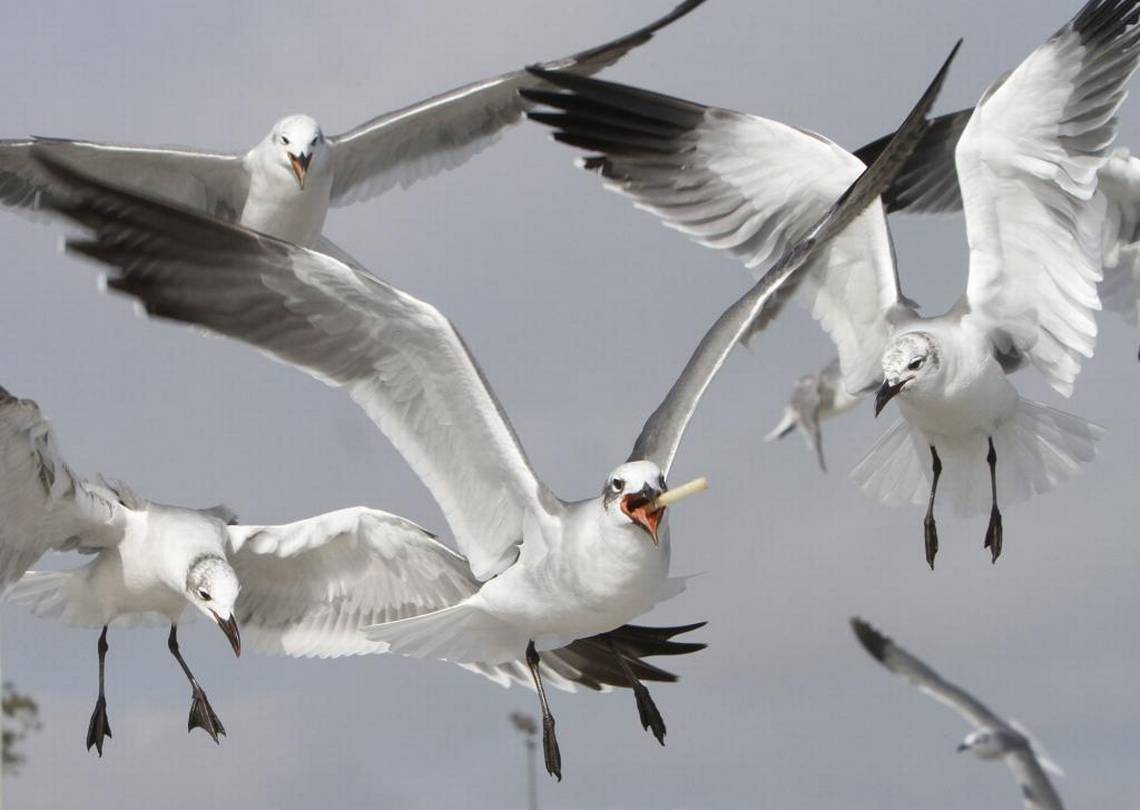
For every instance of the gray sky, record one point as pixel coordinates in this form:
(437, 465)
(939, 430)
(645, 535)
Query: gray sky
(559, 289)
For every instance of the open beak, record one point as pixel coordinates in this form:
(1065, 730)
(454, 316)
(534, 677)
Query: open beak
(300, 166)
(637, 508)
(230, 628)
(887, 393)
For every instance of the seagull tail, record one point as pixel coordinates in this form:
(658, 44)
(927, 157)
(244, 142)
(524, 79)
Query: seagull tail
(1037, 448)
(591, 663)
(54, 595)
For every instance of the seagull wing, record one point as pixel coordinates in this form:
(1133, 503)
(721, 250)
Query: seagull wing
(398, 357)
(745, 185)
(308, 587)
(43, 504)
(900, 662)
(443, 132)
(1037, 791)
(1028, 163)
(206, 181)
(928, 182)
(663, 431)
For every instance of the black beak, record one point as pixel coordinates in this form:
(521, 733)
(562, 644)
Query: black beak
(300, 166)
(887, 393)
(963, 747)
(230, 628)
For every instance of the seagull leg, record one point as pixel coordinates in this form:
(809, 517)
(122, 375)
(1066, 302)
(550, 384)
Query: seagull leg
(930, 529)
(201, 712)
(993, 531)
(651, 719)
(99, 727)
(550, 750)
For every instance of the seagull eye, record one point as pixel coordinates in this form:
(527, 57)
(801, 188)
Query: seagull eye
(617, 485)
(284, 140)
(205, 595)
(916, 364)
(314, 141)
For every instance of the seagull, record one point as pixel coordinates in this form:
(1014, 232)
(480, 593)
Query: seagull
(285, 184)
(1027, 163)
(992, 738)
(149, 559)
(814, 398)
(550, 570)
(303, 589)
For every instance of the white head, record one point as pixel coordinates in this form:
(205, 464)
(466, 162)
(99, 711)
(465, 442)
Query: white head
(910, 361)
(984, 744)
(212, 586)
(297, 142)
(629, 492)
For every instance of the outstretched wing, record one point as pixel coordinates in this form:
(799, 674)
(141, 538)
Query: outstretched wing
(398, 357)
(1028, 163)
(308, 587)
(443, 132)
(43, 504)
(900, 662)
(745, 185)
(205, 181)
(663, 431)
(1037, 791)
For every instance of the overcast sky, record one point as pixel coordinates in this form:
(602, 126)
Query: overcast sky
(582, 311)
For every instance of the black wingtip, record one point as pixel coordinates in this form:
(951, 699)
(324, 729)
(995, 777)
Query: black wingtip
(872, 640)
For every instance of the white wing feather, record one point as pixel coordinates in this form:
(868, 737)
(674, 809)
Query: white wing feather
(1027, 164)
(43, 504)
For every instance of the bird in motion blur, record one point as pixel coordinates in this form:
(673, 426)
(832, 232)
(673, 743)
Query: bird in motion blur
(992, 737)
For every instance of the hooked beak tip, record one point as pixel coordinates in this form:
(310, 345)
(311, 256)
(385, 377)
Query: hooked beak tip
(886, 393)
(229, 628)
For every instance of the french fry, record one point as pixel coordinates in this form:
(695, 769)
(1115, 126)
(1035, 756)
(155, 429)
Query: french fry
(671, 496)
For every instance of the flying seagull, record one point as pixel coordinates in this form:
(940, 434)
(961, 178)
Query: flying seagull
(285, 184)
(992, 737)
(814, 398)
(303, 589)
(552, 571)
(1027, 164)
(149, 559)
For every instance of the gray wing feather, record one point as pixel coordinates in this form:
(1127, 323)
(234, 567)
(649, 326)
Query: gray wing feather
(899, 661)
(398, 357)
(206, 181)
(928, 182)
(1037, 791)
(662, 433)
(443, 132)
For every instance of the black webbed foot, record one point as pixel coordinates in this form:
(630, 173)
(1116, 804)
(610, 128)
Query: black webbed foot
(993, 534)
(651, 719)
(931, 532)
(202, 716)
(550, 750)
(99, 728)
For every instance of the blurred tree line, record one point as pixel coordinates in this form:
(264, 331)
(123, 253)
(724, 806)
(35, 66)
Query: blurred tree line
(21, 716)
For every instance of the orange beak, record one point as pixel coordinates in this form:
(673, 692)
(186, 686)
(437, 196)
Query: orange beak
(300, 167)
(637, 508)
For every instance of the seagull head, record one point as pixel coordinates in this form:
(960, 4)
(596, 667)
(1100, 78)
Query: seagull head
(629, 493)
(297, 142)
(911, 360)
(212, 586)
(983, 743)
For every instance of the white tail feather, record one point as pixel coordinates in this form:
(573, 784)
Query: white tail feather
(1038, 448)
(462, 634)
